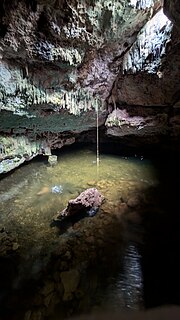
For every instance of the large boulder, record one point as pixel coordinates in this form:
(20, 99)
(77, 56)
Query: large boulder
(87, 200)
(85, 205)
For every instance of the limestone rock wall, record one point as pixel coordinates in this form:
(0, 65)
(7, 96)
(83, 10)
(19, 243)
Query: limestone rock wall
(147, 87)
(62, 61)
(172, 10)
(18, 149)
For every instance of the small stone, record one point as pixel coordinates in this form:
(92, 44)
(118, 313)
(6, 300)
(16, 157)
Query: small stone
(92, 183)
(44, 190)
(133, 202)
(52, 160)
(15, 246)
(123, 208)
(2, 229)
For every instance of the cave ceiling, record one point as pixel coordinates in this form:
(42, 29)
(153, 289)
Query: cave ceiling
(61, 61)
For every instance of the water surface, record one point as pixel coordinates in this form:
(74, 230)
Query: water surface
(28, 205)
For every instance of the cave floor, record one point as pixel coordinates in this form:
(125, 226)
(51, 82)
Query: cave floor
(107, 243)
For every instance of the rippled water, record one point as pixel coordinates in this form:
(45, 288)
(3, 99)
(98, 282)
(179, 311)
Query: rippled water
(125, 290)
(28, 204)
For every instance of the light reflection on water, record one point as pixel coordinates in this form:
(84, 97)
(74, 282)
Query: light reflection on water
(28, 205)
(75, 171)
(125, 291)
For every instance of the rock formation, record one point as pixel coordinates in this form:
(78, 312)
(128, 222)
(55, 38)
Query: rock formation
(85, 205)
(61, 61)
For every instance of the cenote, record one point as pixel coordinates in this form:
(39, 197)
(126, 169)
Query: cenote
(123, 258)
(89, 159)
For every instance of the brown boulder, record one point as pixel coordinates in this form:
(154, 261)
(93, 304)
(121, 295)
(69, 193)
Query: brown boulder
(85, 205)
(89, 199)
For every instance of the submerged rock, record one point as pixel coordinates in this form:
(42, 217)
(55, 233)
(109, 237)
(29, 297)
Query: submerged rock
(8, 242)
(91, 212)
(52, 160)
(57, 189)
(70, 280)
(54, 189)
(44, 190)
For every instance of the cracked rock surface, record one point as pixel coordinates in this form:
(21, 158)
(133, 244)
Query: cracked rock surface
(62, 62)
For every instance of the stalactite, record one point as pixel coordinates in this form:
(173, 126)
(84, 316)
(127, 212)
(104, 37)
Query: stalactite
(70, 98)
(63, 102)
(89, 105)
(150, 41)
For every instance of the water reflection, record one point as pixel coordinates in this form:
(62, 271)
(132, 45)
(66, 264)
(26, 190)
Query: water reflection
(28, 206)
(130, 282)
(124, 290)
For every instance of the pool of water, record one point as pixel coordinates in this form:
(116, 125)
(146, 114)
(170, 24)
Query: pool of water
(27, 200)
(28, 205)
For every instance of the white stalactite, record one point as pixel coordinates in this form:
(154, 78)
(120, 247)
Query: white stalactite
(151, 40)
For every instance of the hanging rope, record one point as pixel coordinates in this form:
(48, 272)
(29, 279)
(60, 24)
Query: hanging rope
(97, 139)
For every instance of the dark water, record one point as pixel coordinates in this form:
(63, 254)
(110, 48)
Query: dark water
(145, 273)
(160, 263)
(28, 204)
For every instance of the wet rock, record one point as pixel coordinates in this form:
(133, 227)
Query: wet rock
(104, 184)
(52, 160)
(92, 183)
(91, 212)
(8, 242)
(90, 198)
(44, 190)
(70, 280)
(18, 150)
(15, 246)
(133, 202)
(123, 208)
(57, 189)
(85, 205)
